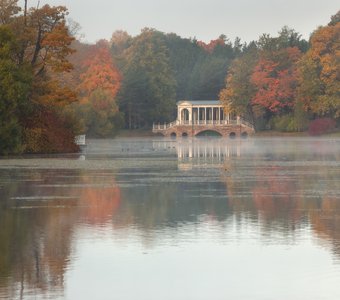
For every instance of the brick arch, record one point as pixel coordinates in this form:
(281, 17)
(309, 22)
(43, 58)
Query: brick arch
(199, 132)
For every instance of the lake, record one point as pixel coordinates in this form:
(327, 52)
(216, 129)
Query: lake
(173, 219)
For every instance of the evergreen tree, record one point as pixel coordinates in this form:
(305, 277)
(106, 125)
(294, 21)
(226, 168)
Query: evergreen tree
(148, 92)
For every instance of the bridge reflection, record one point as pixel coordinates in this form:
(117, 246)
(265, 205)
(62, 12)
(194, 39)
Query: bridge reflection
(195, 152)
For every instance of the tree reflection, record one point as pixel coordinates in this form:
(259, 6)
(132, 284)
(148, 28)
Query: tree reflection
(285, 193)
(39, 214)
(280, 190)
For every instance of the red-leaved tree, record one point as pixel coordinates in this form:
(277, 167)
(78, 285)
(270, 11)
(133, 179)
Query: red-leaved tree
(275, 79)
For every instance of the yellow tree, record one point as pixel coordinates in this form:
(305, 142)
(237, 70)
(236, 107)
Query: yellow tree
(319, 73)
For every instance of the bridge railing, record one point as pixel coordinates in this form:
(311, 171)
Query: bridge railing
(165, 126)
(246, 123)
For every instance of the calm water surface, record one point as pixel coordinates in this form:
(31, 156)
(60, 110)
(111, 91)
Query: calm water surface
(166, 219)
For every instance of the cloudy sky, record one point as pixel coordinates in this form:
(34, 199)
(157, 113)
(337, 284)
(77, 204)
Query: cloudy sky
(203, 19)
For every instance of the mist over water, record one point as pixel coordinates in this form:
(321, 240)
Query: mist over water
(173, 219)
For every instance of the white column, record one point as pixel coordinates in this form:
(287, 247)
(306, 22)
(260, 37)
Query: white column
(205, 115)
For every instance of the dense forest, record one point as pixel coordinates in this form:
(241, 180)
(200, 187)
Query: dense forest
(287, 84)
(34, 46)
(148, 74)
(54, 86)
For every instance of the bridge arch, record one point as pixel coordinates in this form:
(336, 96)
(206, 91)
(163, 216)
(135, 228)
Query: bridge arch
(244, 135)
(232, 135)
(173, 135)
(209, 132)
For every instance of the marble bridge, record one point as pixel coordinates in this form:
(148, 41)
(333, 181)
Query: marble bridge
(200, 118)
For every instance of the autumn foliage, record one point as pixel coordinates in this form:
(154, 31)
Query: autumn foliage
(279, 83)
(275, 80)
(319, 89)
(46, 133)
(100, 73)
(97, 82)
(38, 53)
(210, 47)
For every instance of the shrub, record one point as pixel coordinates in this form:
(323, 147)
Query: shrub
(321, 126)
(285, 123)
(46, 133)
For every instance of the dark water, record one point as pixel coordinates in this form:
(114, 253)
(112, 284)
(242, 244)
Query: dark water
(160, 219)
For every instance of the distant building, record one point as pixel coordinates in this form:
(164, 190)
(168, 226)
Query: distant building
(200, 117)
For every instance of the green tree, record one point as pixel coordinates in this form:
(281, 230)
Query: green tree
(184, 54)
(239, 90)
(148, 92)
(208, 75)
(289, 38)
(15, 84)
(335, 19)
(99, 114)
(120, 42)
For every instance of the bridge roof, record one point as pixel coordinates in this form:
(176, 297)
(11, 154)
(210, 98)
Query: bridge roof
(200, 102)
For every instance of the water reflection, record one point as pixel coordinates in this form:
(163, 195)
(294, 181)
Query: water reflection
(39, 215)
(195, 152)
(213, 194)
(201, 148)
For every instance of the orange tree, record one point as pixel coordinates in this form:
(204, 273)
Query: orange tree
(319, 72)
(98, 85)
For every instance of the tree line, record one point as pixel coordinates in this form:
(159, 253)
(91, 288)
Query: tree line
(53, 86)
(284, 82)
(158, 69)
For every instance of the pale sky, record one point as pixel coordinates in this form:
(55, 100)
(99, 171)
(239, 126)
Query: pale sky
(203, 19)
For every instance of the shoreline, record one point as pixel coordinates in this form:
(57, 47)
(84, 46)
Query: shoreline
(266, 133)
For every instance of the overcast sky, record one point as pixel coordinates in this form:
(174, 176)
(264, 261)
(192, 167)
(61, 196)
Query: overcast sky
(203, 19)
